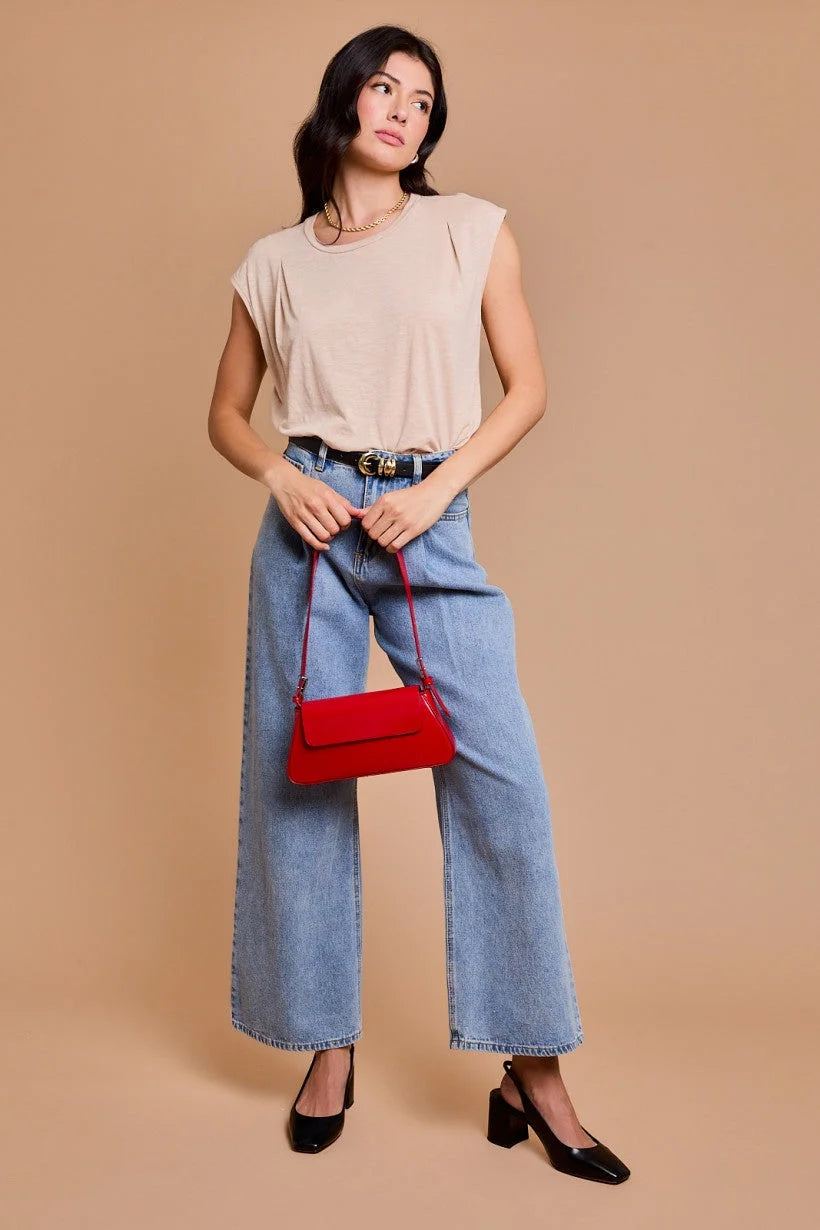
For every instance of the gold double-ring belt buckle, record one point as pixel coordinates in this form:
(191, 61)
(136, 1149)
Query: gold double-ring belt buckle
(386, 465)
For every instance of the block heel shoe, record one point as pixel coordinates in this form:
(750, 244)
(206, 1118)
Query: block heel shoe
(312, 1133)
(507, 1126)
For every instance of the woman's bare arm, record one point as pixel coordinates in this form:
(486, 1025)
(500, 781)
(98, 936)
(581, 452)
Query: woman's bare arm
(312, 507)
(514, 346)
(238, 379)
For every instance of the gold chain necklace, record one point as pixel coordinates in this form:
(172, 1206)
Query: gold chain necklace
(368, 225)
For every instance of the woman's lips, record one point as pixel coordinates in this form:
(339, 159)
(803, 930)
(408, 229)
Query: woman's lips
(389, 138)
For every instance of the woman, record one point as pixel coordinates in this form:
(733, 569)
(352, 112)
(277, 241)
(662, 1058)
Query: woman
(367, 312)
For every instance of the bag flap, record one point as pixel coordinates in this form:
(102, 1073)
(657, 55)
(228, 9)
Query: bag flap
(362, 715)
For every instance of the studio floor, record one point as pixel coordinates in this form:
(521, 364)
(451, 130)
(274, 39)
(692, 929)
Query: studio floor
(135, 1117)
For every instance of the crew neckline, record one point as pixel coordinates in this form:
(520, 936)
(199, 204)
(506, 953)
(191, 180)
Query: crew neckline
(354, 245)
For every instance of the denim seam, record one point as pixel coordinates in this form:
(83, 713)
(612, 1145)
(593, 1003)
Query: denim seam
(459, 1043)
(242, 797)
(285, 1044)
(357, 895)
(448, 896)
(572, 988)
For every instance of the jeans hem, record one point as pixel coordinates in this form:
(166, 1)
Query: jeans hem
(458, 1043)
(285, 1044)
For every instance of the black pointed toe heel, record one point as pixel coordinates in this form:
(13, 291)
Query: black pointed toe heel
(507, 1125)
(312, 1133)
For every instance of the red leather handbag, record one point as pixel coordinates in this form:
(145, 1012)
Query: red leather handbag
(368, 732)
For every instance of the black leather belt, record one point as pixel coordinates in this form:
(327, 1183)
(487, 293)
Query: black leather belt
(370, 461)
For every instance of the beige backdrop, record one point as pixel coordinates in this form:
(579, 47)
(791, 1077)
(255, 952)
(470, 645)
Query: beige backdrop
(656, 534)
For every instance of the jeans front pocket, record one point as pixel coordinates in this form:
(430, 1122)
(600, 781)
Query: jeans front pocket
(300, 458)
(457, 508)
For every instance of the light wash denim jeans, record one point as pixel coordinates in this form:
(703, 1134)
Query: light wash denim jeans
(297, 943)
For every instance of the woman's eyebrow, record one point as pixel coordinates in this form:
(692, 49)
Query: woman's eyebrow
(392, 78)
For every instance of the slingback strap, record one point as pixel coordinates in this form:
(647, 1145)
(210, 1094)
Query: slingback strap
(514, 1077)
(426, 679)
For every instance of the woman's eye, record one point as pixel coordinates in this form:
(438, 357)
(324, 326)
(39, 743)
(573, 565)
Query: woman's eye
(425, 106)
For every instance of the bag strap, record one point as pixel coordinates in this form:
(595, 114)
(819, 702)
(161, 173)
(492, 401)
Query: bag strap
(426, 679)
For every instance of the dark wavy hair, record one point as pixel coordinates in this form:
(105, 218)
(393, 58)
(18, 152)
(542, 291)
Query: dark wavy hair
(325, 134)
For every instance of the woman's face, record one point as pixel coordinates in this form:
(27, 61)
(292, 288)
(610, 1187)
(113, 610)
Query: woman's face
(396, 100)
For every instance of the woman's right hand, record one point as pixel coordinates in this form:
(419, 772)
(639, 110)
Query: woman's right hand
(314, 509)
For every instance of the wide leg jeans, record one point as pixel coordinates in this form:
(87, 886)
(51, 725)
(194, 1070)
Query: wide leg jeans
(296, 970)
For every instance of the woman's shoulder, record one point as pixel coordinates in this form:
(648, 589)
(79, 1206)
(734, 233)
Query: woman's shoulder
(271, 246)
(257, 274)
(464, 206)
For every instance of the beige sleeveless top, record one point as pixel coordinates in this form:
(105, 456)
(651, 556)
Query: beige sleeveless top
(376, 344)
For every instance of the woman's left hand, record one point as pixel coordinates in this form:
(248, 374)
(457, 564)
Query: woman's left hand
(397, 517)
